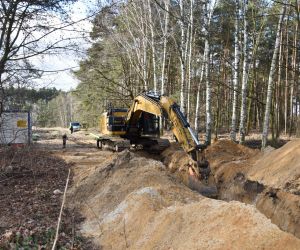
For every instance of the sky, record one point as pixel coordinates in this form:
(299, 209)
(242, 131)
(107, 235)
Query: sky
(63, 79)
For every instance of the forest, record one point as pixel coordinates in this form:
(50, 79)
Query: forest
(232, 66)
(149, 124)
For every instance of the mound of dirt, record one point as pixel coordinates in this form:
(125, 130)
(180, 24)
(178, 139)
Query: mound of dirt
(279, 168)
(268, 180)
(177, 162)
(134, 202)
(224, 151)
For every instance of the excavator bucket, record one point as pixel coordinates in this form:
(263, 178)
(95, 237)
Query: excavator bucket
(200, 177)
(207, 189)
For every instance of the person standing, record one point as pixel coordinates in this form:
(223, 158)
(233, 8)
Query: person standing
(64, 138)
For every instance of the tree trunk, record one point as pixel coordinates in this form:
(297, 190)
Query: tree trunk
(182, 62)
(208, 96)
(277, 93)
(271, 79)
(197, 111)
(165, 39)
(236, 72)
(152, 47)
(245, 77)
(294, 77)
(190, 58)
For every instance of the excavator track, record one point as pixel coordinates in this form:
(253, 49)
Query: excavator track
(159, 145)
(114, 144)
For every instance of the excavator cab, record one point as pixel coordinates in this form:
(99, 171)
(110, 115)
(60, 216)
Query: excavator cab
(149, 124)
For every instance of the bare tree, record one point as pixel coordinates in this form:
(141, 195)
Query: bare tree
(28, 30)
(182, 57)
(189, 58)
(271, 78)
(209, 7)
(197, 109)
(153, 50)
(235, 71)
(165, 39)
(245, 76)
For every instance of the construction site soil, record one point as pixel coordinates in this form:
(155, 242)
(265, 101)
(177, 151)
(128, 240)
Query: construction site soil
(134, 200)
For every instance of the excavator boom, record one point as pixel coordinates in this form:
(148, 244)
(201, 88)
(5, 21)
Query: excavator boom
(164, 106)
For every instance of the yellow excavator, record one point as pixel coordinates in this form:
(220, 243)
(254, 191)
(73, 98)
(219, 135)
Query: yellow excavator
(139, 126)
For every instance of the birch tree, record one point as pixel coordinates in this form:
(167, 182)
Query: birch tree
(271, 78)
(208, 120)
(208, 9)
(245, 76)
(197, 109)
(153, 49)
(235, 71)
(182, 56)
(165, 39)
(190, 49)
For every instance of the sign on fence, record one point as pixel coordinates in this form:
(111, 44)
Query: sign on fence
(15, 127)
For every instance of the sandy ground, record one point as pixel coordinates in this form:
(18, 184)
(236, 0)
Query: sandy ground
(268, 180)
(132, 201)
(279, 168)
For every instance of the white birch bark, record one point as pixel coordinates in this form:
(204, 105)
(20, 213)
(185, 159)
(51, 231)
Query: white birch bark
(271, 79)
(182, 62)
(208, 95)
(277, 107)
(208, 121)
(235, 71)
(286, 90)
(151, 24)
(197, 113)
(208, 9)
(245, 77)
(165, 39)
(190, 58)
(144, 48)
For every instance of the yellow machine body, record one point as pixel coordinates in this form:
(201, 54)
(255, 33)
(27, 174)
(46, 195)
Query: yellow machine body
(113, 122)
(166, 107)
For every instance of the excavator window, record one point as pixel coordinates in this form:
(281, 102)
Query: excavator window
(149, 124)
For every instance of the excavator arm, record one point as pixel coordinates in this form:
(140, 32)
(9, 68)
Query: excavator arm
(161, 105)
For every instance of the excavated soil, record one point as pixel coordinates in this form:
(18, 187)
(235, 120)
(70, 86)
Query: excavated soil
(135, 202)
(270, 181)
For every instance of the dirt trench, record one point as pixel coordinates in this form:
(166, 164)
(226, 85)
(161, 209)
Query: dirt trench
(132, 201)
(270, 181)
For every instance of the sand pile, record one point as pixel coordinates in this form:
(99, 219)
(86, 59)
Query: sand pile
(177, 161)
(134, 202)
(225, 151)
(270, 180)
(279, 168)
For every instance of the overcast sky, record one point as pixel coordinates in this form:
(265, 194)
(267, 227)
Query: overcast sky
(64, 79)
